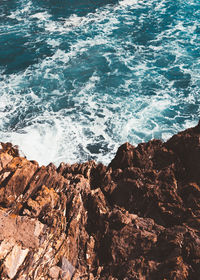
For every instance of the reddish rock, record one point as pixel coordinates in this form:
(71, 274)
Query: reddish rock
(138, 218)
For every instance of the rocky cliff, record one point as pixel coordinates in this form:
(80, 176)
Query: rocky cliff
(137, 218)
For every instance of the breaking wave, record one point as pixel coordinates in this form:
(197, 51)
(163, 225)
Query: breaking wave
(76, 81)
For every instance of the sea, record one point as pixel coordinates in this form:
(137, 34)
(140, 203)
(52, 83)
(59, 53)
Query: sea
(80, 77)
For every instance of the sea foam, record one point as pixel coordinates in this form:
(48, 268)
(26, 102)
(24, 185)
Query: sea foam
(75, 87)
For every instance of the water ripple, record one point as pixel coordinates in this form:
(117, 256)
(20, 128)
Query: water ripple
(76, 82)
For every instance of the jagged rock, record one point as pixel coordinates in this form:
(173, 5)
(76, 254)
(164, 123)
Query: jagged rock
(137, 218)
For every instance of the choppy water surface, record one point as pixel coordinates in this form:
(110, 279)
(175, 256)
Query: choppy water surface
(78, 78)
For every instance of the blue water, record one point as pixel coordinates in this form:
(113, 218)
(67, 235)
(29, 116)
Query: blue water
(79, 78)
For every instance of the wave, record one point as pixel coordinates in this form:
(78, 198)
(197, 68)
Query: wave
(74, 87)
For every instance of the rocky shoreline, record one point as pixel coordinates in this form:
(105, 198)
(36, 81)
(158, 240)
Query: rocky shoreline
(137, 218)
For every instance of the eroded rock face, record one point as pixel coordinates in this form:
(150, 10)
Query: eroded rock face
(138, 218)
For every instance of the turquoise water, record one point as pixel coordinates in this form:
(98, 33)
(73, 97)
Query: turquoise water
(79, 78)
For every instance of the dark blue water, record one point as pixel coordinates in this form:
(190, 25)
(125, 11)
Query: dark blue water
(78, 78)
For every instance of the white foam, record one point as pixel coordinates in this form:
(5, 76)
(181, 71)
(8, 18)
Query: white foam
(166, 136)
(52, 42)
(43, 16)
(24, 8)
(128, 2)
(98, 116)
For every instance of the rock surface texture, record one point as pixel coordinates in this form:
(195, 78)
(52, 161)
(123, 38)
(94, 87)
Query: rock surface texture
(137, 218)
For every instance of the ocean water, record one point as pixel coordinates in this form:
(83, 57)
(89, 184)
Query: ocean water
(80, 77)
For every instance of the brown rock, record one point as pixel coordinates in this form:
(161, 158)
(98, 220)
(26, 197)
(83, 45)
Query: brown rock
(14, 260)
(138, 218)
(54, 272)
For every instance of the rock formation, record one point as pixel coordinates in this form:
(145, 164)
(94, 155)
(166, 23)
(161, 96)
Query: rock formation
(137, 218)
